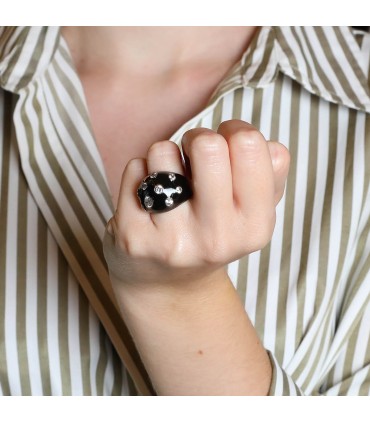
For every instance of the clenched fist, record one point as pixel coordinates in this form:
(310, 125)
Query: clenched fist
(237, 179)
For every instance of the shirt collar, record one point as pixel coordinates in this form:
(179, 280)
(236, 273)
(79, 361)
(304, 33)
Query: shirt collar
(326, 61)
(25, 53)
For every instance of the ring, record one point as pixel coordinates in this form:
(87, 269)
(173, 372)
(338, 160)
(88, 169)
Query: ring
(161, 192)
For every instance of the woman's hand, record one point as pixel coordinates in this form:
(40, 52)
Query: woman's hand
(167, 270)
(237, 178)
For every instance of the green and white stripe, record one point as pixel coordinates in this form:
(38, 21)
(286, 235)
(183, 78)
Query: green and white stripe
(307, 292)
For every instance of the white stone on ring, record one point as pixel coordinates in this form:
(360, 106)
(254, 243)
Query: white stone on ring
(148, 202)
(158, 189)
(169, 201)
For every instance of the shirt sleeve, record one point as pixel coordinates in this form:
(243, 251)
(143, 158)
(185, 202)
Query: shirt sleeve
(282, 384)
(346, 369)
(350, 373)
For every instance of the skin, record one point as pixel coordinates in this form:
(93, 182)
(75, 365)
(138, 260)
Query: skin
(127, 72)
(168, 270)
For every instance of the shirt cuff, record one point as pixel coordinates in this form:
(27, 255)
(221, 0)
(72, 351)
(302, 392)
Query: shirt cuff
(281, 383)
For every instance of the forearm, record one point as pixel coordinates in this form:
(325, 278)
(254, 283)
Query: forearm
(196, 341)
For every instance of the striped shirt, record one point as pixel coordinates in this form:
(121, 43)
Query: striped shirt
(307, 292)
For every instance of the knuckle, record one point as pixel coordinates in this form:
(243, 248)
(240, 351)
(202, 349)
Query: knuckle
(171, 258)
(169, 252)
(249, 142)
(208, 144)
(129, 243)
(162, 148)
(248, 138)
(133, 248)
(232, 124)
(130, 164)
(123, 242)
(190, 134)
(216, 249)
(133, 166)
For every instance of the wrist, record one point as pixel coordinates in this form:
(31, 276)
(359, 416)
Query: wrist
(169, 299)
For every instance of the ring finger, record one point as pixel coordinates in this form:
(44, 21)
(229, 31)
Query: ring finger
(165, 156)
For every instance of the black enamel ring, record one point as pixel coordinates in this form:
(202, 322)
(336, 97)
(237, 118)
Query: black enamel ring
(161, 192)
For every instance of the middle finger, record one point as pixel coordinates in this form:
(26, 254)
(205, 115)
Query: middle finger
(208, 155)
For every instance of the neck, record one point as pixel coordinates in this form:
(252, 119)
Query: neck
(154, 51)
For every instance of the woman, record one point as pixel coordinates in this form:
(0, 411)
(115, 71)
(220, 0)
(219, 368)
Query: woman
(305, 295)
